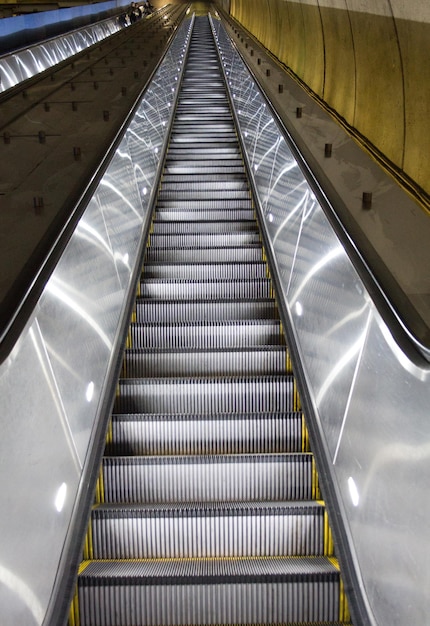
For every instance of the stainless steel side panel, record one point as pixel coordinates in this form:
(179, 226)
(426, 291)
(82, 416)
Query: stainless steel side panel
(52, 384)
(23, 64)
(371, 402)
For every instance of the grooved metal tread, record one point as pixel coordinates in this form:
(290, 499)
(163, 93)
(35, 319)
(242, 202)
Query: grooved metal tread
(247, 252)
(223, 509)
(205, 240)
(211, 334)
(210, 288)
(206, 571)
(267, 416)
(203, 226)
(204, 311)
(210, 362)
(224, 433)
(179, 215)
(304, 458)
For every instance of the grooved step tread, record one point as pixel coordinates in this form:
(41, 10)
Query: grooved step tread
(187, 434)
(211, 570)
(206, 509)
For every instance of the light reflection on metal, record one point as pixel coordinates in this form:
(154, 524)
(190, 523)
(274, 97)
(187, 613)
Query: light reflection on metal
(291, 214)
(353, 491)
(54, 395)
(89, 393)
(317, 267)
(19, 587)
(105, 183)
(57, 289)
(25, 63)
(60, 497)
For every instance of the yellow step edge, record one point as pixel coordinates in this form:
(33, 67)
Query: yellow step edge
(100, 488)
(109, 433)
(296, 397)
(316, 494)
(305, 436)
(88, 552)
(74, 614)
(328, 537)
(178, 559)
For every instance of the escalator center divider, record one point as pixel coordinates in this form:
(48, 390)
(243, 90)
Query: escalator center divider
(208, 508)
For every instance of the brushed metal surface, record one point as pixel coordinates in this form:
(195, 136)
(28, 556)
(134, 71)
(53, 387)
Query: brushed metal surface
(371, 401)
(52, 384)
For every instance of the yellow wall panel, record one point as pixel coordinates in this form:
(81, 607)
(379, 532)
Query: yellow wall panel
(414, 39)
(379, 98)
(313, 71)
(368, 59)
(339, 82)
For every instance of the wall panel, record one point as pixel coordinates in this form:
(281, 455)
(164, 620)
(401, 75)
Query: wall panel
(368, 59)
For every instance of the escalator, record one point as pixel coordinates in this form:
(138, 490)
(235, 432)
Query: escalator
(208, 508)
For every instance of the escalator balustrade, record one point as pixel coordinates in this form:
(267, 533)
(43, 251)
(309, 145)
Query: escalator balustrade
(208, 508)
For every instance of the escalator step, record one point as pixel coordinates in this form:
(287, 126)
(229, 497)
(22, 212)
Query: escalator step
(172, 311)
(208, 215)
(204, 240)
(206, 289)
(201, 183)
(203, 254)
(204, 154)
(209, 591)
(202, 227)
(203, 166)
(235, 362)
(192, 478)
(205, 205)
(206, 395)
(204, 335)
(158, 434)
(212, 529)
(200, 136)
(188, 193)
(205, 271)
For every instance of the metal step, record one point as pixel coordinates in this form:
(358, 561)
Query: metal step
(162, 434)
(208, 396)
(209, 591)
(183, 135)
(225, 216)
(230, 478)
(234, 362)
(215, 150)
(205, 205)
(201, 183)
(203, 254)
(204, 240)
(208, 529)
(187, 166)
(162, 311)
(205, 271)
(206, 289)
(201, 226)
(225, 335)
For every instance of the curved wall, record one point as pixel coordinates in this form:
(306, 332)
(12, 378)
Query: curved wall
(367, 59)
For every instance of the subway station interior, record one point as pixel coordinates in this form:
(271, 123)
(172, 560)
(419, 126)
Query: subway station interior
(215, 318)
